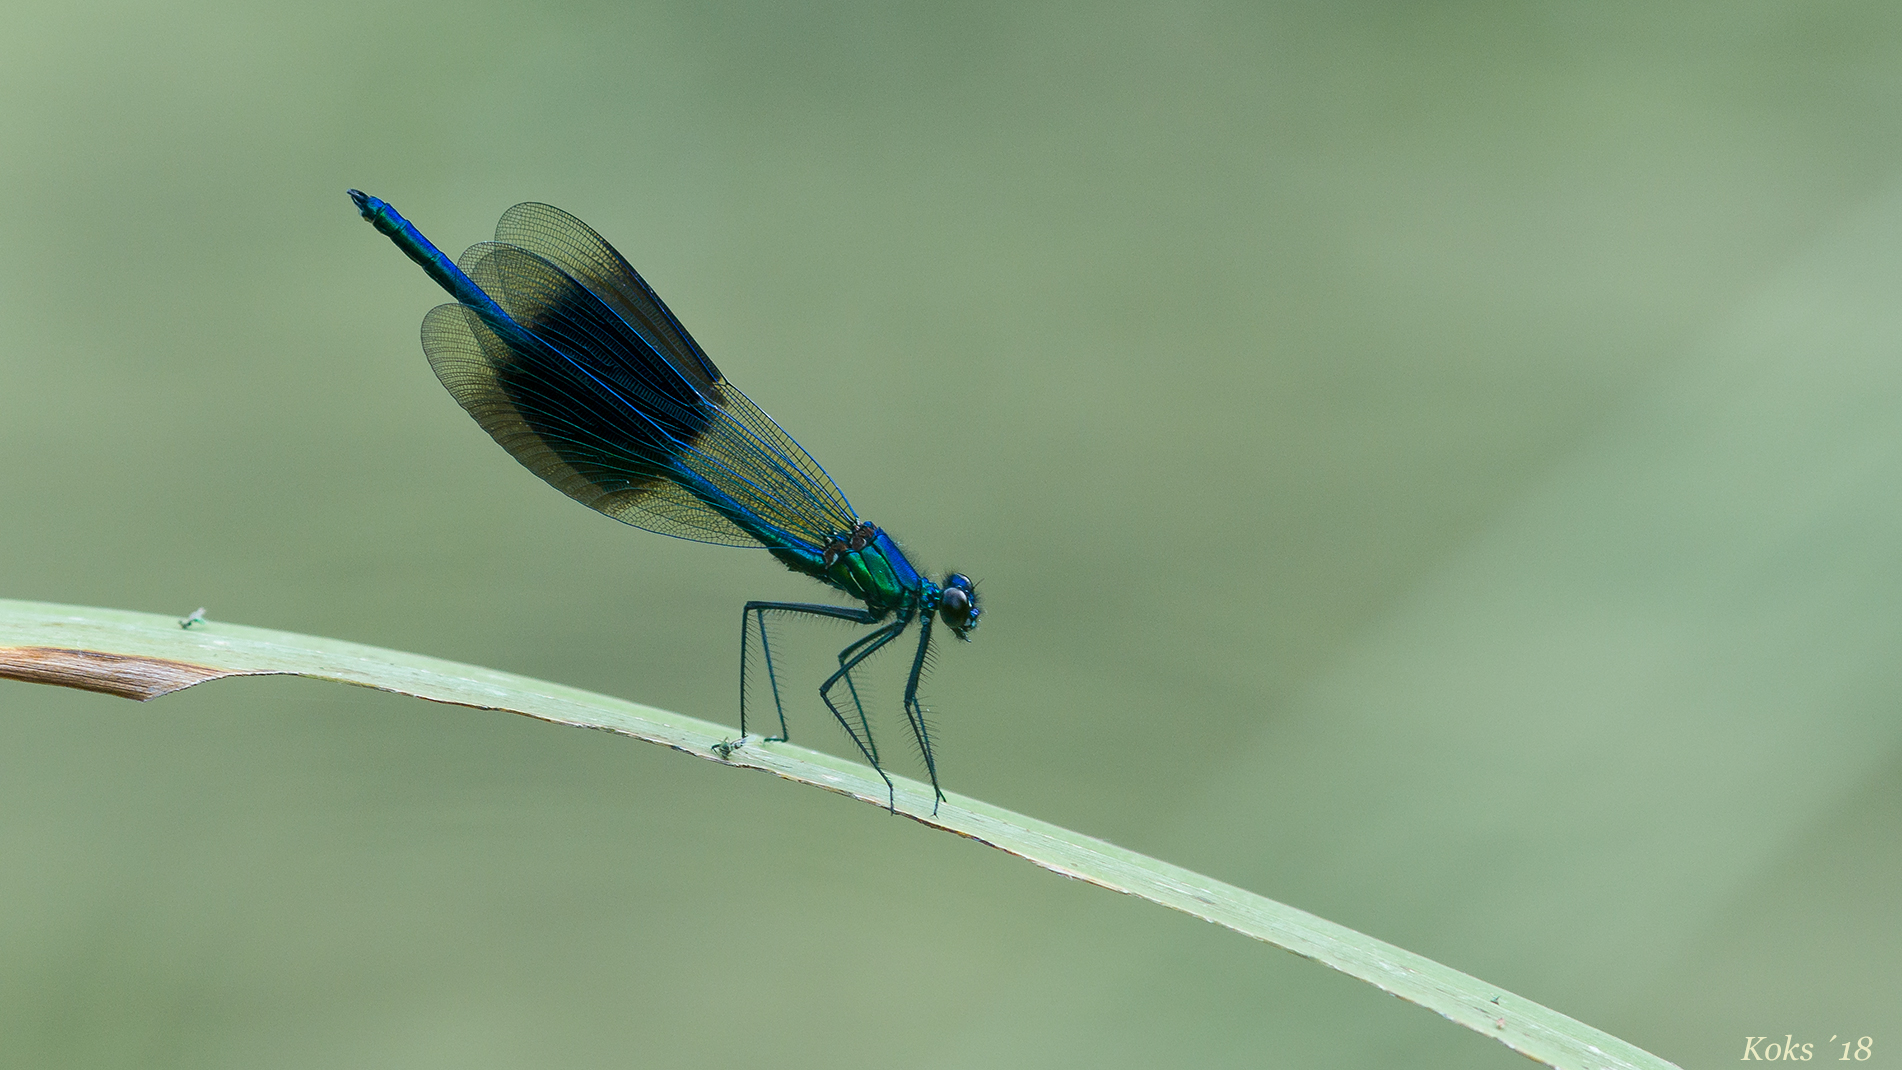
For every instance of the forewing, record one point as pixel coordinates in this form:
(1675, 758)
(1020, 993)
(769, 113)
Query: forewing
(586, 256)
(596, 408)
(762, 434)
(559, 430)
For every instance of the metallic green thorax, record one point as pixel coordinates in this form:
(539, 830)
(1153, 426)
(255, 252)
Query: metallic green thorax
(875, 573)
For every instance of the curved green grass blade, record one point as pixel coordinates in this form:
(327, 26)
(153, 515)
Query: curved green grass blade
(142, 655)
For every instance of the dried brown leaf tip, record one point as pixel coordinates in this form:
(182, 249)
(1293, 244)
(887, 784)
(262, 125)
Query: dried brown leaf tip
(113, 674)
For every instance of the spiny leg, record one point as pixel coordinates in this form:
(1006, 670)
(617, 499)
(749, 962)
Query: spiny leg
(811, 609)
(772, 678)
(915, 713)
(853, 687)
(871, 644)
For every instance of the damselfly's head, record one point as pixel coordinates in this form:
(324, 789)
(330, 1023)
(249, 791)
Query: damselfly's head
(957, 604)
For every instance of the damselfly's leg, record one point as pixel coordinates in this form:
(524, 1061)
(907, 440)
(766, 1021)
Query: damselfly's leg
(869, 645)
(756, 611)
(853, 688)
(915, 712)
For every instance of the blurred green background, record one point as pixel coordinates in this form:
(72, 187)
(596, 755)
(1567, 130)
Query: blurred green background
(1437, 465)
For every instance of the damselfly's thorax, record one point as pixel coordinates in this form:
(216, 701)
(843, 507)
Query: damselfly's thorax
(866, 564)
(859, 538)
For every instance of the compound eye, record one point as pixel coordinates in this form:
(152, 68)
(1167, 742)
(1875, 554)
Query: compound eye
(955, 605)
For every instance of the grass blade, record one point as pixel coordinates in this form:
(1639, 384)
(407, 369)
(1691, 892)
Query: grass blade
(143, 655)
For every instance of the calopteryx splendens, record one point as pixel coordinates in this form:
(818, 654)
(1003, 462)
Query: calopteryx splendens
(565, 355)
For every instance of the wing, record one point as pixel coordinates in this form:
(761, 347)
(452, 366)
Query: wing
(586, 257)
(612, 402)
(575, 248)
